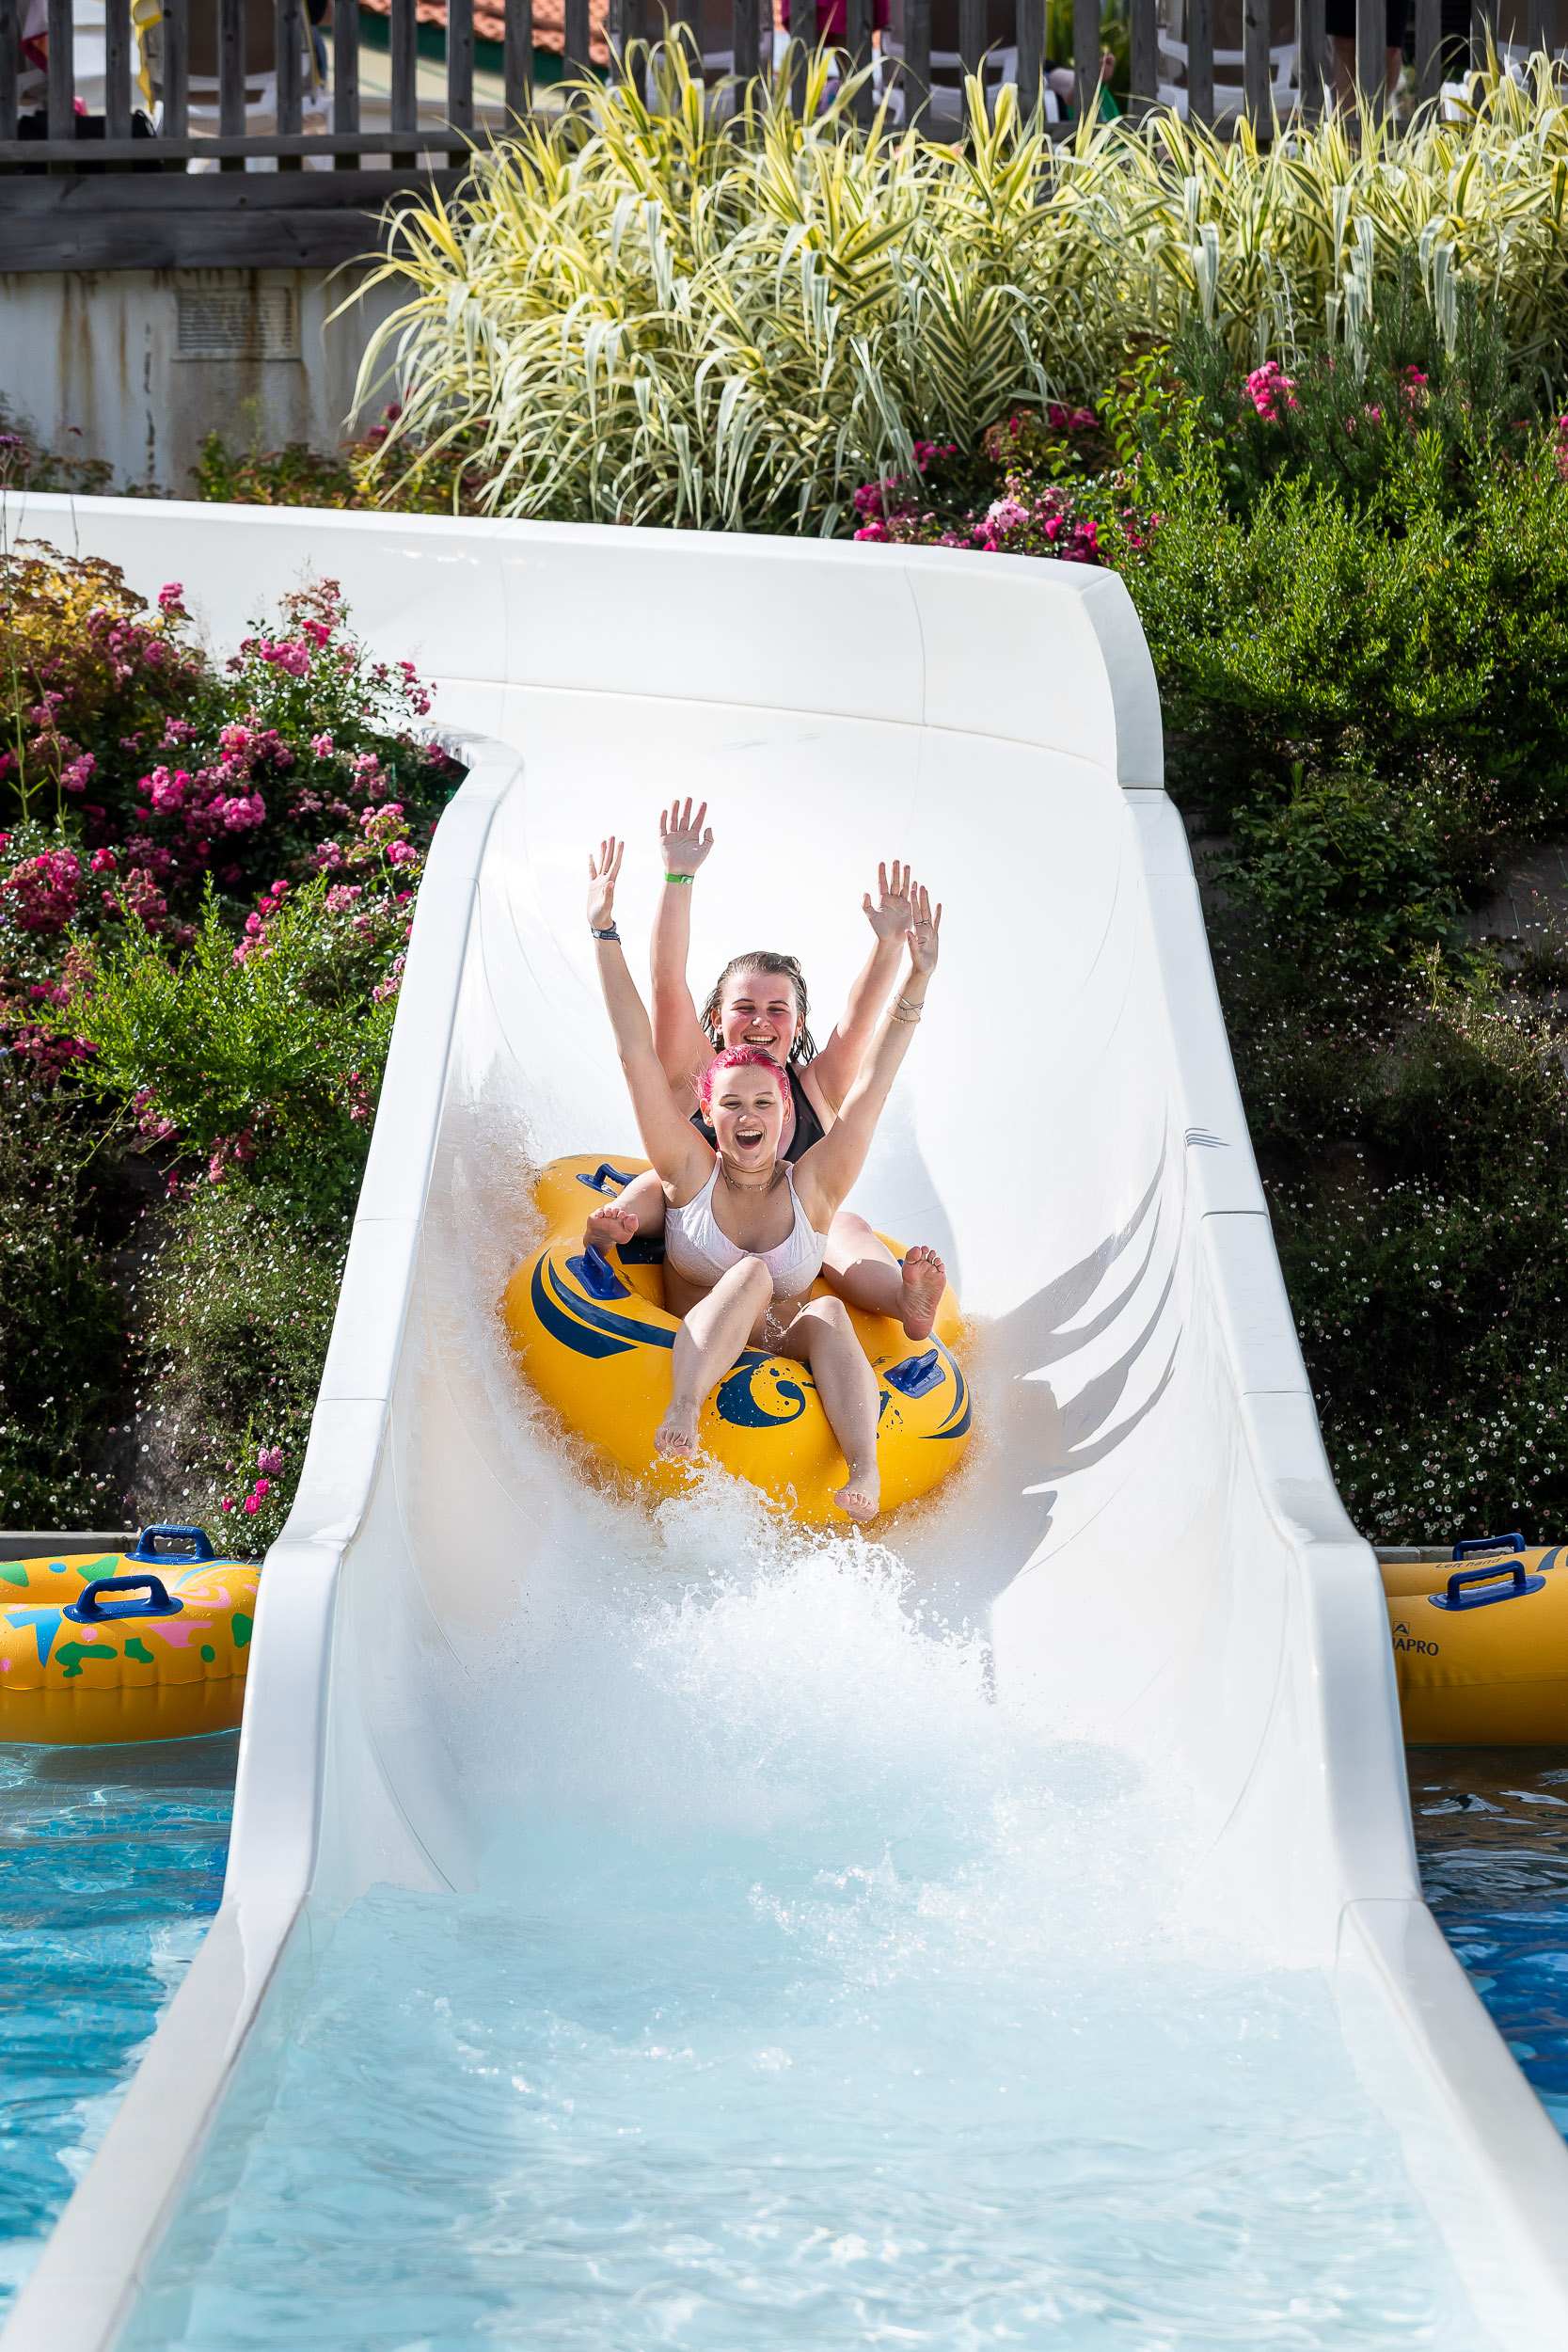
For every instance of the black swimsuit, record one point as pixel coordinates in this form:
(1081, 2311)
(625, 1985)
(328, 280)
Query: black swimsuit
(808, 1127)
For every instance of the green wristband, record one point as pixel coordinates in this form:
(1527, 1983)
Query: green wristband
(680, 878)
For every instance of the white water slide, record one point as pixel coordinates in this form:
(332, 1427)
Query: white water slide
(652, 1928)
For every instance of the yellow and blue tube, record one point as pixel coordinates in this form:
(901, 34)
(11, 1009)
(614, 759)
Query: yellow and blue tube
(592, 1333)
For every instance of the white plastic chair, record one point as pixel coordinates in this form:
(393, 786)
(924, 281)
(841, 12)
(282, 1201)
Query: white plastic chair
(203, 112)
(1230, 97)
(947, 72)
(1513, 56)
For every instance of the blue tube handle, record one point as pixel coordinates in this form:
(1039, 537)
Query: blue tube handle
(191, 1544)
(607, 1173)
(1520, 1581)
(85, 1610)
(1487, 1543)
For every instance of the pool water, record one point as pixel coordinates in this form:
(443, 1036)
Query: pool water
(1492, 1830)
(111, 1863)
(811, 1998)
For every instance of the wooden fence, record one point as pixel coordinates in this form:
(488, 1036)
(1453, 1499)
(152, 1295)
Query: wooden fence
(101, 176)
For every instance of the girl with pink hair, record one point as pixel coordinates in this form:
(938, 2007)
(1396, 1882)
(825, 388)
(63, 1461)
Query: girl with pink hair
(760, 1001)
(745, 1229)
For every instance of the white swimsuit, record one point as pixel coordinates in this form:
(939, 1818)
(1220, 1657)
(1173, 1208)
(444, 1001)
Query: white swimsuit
(699, 1251)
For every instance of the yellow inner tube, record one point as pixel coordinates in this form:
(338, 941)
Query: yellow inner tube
(159, 1654)
(595, 1342)
(1481, 1646)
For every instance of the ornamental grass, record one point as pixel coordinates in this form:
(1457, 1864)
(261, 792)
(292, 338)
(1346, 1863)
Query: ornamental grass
(638, 312)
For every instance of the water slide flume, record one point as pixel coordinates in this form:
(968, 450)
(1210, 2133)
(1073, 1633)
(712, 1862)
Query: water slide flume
(595, 1338)
(1145, 1528)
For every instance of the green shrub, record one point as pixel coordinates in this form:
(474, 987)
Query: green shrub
(1343, 872)
(1417, 1169)
(443, 480)
(268, 1053)
(27, 465)
(237, 1308)
(63, 1319)
(1375, 632)
(1343, 421)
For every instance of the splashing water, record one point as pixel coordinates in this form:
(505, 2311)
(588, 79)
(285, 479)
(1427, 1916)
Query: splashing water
(810, 1998)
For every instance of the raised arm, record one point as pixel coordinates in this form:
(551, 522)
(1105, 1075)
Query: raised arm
(679, 1039)
(837, 1066)
(825, 1174)
(675, 1146)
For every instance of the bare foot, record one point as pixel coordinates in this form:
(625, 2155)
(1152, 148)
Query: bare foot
(924, 1279)
(608, 1228)
(862, 1498)
(676, 1436)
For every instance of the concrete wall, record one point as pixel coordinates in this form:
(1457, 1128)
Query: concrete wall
(104, 364)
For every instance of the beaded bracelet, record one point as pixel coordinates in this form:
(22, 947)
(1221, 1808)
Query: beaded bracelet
(611, 933)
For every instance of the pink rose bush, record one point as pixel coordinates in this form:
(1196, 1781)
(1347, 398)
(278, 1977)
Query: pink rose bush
(137, 777)
(1050, 503)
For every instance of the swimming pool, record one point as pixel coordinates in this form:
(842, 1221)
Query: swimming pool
(1492, 1830)
(811, 1997)
(815, 1999)
(111, 1863)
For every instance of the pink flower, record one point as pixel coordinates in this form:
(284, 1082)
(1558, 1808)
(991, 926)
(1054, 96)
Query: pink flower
(270, 1459)
(228, 1504)
(104, 862)
(263, 1486)
(403, 853)
(1267, 387)
(77, 774)
(875, 529)
(42, 893)
(251, 1506)
(342, 897)
(322, 746)
(285, 654)
(242, 812)
(168, 789)
(382, 825)
(170, 597)
(1005, 514)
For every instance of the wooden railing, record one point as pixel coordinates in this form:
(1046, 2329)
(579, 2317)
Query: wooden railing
(101, 176)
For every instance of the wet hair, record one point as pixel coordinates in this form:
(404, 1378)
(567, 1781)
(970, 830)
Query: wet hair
(777, 967)
(739, 1058)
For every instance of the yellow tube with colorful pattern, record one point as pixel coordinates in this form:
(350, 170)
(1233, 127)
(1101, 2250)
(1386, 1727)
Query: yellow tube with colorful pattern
(148, 1645)
(592, 1335)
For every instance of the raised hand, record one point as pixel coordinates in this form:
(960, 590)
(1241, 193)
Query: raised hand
(604, 871)
(682, 838)
(925, 931)
(891, 915)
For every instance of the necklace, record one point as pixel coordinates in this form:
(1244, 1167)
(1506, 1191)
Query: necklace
(723, 1170)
